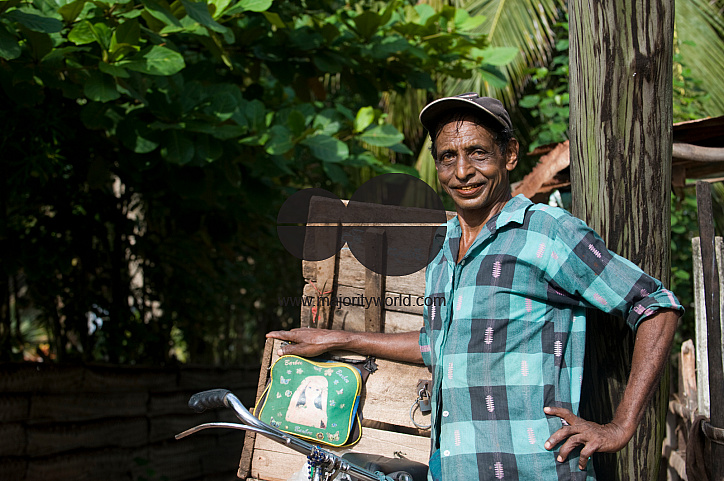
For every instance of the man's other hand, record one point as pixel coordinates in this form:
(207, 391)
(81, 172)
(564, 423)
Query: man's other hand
(593, 437)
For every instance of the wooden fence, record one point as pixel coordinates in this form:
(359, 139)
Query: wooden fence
(115, 423)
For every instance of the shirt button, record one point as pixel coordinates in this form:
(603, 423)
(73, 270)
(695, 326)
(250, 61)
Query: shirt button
(446, 453)
(462, 262)
(445, 414)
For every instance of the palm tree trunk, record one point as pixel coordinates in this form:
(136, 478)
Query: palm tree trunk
(621, 134)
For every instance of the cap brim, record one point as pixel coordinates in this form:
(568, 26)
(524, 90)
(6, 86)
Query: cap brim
(434, 110)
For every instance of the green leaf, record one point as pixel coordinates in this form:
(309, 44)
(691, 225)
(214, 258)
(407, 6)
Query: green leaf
(178, 149)
(127, 32)
(9, 46)
(280, 141)
(401, 149)
(274, 19)
(382, 136)
(327, 148)
(493, 76)
(113, 70)
(100, 88)
(497, 55)
(199, 11)
(529, 101)
(365, 117)
(367, 23)
(335, 173)
(296, 122)
(157, 60)
(160, 12)
(70, 11)
(425, 12)
(82, 33)
(34, 22)
(464, 22)
(249, 6)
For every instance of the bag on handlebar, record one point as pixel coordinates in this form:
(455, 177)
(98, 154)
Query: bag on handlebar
(313, 400)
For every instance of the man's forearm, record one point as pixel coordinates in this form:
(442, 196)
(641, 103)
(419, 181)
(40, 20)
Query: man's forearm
(312, 342)
(651, 351)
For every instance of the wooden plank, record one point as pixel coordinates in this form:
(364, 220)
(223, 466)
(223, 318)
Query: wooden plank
(201, 379)
(353, 319)
(702, 361)
(86, 407)
(352, 274)
(14, 407)
(393, 301)
(13, 468)
(35, 377)
(375, 247)
(391, 391)
(12, 439)
(274, 462)
(105, 380)
(92, 465)
(687, 365)
(270, 348)
(713, 317)
(49, 439)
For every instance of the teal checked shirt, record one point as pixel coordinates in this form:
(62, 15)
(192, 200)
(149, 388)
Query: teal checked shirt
(510, 337)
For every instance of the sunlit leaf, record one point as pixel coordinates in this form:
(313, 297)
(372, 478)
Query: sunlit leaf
(327, 148)
(382, 136)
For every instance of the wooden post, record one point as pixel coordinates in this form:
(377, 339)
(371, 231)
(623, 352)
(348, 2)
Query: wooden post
(621, 135)
(375, 248)
(713, 323)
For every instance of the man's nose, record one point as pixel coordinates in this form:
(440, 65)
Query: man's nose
(464, 167)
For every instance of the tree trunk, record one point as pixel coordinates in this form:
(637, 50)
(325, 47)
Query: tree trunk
(621, 135)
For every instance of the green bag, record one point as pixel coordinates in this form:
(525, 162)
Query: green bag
(313, 400)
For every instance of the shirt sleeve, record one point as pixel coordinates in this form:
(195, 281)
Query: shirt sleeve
(582, 270)
(425, 347)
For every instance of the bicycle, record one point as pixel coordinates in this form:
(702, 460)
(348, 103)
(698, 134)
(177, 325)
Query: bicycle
(324, 465)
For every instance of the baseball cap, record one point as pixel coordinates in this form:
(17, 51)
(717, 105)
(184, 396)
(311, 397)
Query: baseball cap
(482, 106)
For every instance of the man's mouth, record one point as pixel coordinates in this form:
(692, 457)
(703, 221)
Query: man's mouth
(468, 189)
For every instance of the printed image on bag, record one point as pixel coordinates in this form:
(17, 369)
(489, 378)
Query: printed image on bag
(313, 400)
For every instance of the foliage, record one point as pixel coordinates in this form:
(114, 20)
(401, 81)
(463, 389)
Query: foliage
(149, 144)
(699, 32)
(549, 104)
(524, 25)
(683, 228)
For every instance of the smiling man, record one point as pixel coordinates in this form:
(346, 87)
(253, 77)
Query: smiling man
(506, 349)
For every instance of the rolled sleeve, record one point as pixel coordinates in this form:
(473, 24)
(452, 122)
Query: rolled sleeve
(425, 347)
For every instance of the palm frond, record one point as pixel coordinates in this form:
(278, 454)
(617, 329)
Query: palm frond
(701, 22)
(524, 24)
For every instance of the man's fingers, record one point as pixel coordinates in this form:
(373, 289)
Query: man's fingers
(569, 446)
(586, 453)
(562, 413)
(560, 436)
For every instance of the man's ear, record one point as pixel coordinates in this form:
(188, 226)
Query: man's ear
(512, 154)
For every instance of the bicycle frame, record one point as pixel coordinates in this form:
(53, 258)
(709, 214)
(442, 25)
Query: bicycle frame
(327, 466)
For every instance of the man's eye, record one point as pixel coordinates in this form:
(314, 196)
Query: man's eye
(447, 158)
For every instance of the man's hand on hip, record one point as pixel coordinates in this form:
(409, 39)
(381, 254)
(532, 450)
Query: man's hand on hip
(593, 437)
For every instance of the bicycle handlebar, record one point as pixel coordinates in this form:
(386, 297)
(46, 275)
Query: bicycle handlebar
(216, 398)
(212, 399)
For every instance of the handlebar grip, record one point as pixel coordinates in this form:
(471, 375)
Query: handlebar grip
(212, 399)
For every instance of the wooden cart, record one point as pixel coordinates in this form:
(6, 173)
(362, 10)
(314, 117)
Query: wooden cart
(389, 393)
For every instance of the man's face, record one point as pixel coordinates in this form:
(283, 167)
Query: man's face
(471, 167)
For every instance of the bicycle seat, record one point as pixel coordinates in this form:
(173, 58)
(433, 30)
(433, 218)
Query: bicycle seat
(392, 467)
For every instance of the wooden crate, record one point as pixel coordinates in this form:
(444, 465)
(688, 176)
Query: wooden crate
(390, 392)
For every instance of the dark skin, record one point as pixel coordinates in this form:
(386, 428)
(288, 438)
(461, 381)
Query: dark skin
(473, 170)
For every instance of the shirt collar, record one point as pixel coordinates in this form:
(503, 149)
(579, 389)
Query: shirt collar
(513, 212)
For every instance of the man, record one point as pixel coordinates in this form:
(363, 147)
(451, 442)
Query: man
(506, 350)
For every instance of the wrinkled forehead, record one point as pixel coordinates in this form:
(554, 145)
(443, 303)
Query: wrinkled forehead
(455, 123)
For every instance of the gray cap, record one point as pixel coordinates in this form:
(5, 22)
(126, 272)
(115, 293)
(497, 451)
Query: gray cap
(486, 107)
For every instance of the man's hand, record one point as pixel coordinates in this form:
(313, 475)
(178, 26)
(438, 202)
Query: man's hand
(309, 342)
(604, 438)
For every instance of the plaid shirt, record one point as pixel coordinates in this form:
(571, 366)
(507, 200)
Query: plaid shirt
(510, 338)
